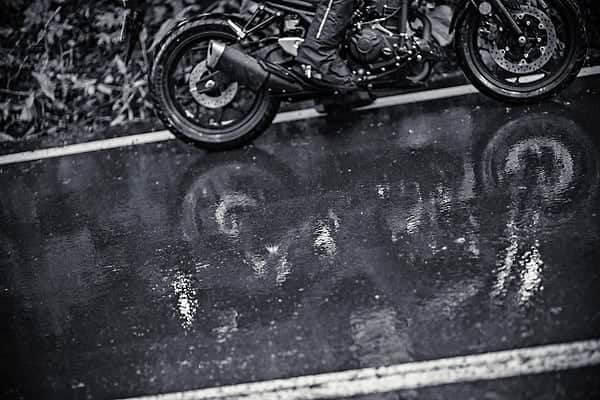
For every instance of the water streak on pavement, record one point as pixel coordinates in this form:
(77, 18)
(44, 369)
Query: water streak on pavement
(403, 234)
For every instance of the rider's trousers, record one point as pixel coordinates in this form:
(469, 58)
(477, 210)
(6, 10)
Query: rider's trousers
(324, 36)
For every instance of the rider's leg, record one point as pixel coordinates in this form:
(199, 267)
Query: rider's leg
(319, 52)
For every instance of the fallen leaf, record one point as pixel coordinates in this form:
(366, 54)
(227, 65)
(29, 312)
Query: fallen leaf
(27, 110)
(46, 84)
(102, 88)
(118, 121)
(5, 137)
(162, 32)
(121, 65)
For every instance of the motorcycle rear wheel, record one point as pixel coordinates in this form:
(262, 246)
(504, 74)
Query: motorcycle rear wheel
(229, 116)
(504, 80)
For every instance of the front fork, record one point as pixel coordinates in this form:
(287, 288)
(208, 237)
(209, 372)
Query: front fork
(487, 6)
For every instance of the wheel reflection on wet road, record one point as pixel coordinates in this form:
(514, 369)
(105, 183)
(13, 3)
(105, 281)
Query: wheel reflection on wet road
(398, 235)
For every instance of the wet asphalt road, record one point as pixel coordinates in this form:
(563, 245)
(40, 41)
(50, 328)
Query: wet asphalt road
(410, 233)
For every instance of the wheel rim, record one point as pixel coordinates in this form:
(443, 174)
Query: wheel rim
(554, 154)
(549, 50)
(212, 112)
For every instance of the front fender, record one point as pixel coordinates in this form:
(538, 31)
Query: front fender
(503, 8)
(460, 11)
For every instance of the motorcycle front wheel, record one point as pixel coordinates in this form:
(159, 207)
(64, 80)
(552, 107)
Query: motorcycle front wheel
(201, 106)
(528, 68)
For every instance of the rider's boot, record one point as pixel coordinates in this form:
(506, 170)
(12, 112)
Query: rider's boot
(318, 55)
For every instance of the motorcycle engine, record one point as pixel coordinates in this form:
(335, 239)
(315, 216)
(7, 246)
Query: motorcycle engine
(367, 45)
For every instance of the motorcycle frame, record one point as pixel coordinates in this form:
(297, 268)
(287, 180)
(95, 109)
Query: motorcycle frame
(270, 12)
(275, 12)
(305, 11)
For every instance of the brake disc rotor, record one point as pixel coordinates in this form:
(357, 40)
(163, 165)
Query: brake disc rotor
(533, 59)
(214, 98)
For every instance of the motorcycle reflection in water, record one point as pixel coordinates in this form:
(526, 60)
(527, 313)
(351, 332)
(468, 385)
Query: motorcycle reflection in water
(546, 169)
(265, 229)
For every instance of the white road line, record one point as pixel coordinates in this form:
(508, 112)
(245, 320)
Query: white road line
(488, 366)
(589, 71)
(289, 116)
(143, 138)
(389, 101)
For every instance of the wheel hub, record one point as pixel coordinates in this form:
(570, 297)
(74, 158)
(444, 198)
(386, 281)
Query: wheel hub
(210, 93)
(530, 52)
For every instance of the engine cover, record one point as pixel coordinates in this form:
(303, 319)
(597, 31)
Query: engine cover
(366, 45)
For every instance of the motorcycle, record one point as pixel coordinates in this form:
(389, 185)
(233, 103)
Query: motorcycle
(218, 79)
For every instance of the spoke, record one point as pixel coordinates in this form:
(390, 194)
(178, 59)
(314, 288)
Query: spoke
(219, 116)
(558, 23)
(187, 101)
(198, 48)
(202, 91)
(233, 107)
(503, 74)
(248, 100)
(204, 116)
(496, 70)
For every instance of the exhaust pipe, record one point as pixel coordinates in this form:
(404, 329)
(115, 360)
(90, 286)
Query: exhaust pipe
(254, 74)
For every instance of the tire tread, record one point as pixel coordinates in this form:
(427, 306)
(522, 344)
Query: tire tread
(577, 64)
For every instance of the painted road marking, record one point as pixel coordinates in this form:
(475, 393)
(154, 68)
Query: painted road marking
(143, 138)
(401, 99)
(487, 366)
(289, 116)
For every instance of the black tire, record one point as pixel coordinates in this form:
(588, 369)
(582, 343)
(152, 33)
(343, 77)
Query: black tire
(561, 139)
(261, 176)
(472, 65)
(170, 51)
